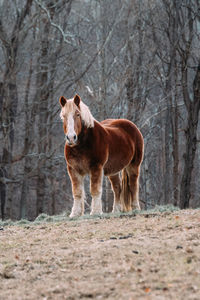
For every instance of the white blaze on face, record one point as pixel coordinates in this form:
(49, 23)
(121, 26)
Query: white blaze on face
(70, 128)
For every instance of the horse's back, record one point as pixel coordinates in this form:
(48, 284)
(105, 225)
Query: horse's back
(123, 127)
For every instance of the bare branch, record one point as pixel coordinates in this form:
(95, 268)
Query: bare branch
(58, 27)
(108, 38)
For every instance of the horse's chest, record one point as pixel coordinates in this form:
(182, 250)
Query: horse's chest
(79, 163)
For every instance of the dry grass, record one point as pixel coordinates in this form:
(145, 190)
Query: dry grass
(150, 255)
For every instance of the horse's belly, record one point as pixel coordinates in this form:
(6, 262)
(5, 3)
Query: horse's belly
(120, 155)
(114, 166)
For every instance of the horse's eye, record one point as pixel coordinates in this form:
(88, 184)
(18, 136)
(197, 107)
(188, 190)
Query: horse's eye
(78, 115)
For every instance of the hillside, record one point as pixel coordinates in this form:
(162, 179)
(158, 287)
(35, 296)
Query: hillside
(152, 255)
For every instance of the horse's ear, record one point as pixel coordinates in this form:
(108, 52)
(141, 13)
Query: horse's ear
(77, 99)
(62, 101)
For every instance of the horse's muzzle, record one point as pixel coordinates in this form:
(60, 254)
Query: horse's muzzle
(71, 140)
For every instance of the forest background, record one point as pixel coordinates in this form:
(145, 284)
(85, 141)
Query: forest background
(134, 59)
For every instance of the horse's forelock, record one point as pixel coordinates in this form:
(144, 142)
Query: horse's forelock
(67, 108)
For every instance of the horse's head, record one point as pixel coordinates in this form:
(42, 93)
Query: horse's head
(71, 116)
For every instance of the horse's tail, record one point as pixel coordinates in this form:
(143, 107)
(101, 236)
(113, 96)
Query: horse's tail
(126, 197)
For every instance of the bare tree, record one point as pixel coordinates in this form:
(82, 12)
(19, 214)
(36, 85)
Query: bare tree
(127, 59)
(9, 92)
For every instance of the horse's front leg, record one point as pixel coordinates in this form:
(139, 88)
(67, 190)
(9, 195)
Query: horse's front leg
(96, 177)
(77, 182)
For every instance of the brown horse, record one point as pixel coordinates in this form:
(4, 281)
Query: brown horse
(98, 148)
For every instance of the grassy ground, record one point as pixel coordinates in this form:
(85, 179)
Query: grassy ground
(148, 255)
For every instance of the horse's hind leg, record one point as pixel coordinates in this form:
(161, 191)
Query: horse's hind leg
(116, 188)
(133, 182)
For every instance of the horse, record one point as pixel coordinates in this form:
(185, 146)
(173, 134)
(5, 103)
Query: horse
(113, 147)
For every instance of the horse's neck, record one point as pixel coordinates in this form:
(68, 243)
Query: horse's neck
(85, 134)
(89, 135)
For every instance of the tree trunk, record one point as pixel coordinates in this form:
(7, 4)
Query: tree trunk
(175, 146)
(43, 95)
(9, 96)
(29, 119)
(193, 108)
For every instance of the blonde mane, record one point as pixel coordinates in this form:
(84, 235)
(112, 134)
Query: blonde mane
(86, 115)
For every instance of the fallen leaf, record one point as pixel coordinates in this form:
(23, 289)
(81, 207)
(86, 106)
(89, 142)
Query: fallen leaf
(147, 290)
(189, 250)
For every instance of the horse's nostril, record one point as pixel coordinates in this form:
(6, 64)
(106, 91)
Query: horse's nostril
(71, 139)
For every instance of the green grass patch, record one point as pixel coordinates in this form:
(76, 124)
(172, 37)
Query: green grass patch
(44, 218)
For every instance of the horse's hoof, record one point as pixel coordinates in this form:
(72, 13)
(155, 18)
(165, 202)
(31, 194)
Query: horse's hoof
(136, 207)
(116, 209)
(75, 215)
(96, 213)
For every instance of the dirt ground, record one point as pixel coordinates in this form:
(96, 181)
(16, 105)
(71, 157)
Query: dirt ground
(147, 256)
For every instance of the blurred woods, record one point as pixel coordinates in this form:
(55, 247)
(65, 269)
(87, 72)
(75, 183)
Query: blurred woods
(132, 59)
